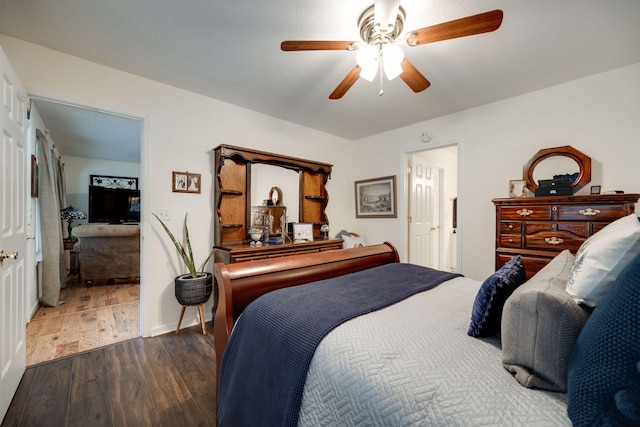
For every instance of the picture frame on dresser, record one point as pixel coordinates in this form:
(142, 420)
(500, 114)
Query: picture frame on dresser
(302, 232)
(517, 188)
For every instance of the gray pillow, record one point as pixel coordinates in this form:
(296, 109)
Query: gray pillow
(540, 325)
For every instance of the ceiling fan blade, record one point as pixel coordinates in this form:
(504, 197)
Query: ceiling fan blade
(296, 45)
(346, 83)
(476, 24)
(412, 77)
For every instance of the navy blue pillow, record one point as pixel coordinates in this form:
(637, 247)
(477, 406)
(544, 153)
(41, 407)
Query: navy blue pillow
(603, 380)
(487, 308)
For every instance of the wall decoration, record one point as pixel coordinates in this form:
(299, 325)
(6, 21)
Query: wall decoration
(595, 189)
(185, 182)
(376, 198)
(113, 182)
(34, 176)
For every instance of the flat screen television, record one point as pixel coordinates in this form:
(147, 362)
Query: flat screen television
(113, 205)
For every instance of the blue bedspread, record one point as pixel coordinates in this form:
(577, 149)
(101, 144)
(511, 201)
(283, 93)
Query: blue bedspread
(266, 360)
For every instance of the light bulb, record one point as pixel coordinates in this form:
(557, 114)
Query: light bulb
(367, 59)
(392, 57)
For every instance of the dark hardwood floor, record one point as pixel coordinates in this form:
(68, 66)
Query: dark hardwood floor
(167, 380)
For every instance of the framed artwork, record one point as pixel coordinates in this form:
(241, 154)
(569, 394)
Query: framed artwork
(34, 176)
(517, 188)
(113, 181)
(185, 182)
(595, 189)
(376, 198)
(303, 232)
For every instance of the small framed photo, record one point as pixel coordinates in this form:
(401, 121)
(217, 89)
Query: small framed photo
(517, 188)
(595, 189)
(376, 198)
(185, 182)
(303, 232)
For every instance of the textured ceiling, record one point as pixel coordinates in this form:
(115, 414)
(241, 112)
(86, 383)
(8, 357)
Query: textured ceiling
(230, 50)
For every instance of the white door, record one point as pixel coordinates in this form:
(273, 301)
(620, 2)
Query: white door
(424, 208)
(12, 234)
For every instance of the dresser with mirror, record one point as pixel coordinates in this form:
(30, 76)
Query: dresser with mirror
(235, 199)
(539, 228)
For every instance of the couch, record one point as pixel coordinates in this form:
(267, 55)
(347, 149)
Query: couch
(108, 252)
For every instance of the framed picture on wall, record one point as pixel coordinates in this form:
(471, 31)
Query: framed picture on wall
(185, 182)
(376, 198)
(114, 181)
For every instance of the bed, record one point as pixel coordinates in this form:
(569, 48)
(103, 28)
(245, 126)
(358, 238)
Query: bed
(410, 362)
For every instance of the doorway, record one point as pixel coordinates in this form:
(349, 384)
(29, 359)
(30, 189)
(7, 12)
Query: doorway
(432, 197)
(90, 141)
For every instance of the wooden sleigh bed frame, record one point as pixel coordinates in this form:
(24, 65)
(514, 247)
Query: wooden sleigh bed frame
(241, 283)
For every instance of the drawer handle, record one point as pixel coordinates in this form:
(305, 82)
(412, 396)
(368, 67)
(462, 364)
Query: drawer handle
(553, 240)
(524, 212)
(510, 240)
(511, 226)
(589, 212)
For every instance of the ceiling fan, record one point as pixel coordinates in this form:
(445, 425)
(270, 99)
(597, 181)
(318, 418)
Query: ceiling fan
(380, 28)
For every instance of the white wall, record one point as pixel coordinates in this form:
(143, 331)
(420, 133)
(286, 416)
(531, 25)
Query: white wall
(598, 115)
(77, 171)
(180, 129)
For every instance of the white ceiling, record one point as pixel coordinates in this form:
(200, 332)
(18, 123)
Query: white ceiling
(230, 50)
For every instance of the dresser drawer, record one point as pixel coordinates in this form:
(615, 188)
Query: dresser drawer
(553, 240)
(510, 227)
(532, 264)
(527, 212)
(579, 229)
(590, 212)
(511, 241)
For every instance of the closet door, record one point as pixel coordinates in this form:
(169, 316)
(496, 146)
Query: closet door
(13, 143)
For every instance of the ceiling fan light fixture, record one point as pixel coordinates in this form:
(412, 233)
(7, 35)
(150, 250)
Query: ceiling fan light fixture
(386, 12)
(367, 59)
(392, 57)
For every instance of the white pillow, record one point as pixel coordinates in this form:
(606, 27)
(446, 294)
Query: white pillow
(352, 241)
(601, 258)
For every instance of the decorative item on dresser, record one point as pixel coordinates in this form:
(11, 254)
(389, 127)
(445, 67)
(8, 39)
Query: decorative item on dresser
(539, 228)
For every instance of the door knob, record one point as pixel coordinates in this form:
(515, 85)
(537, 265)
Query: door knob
(12, 255)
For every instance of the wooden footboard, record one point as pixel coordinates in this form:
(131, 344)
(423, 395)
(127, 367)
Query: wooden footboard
(241, 283)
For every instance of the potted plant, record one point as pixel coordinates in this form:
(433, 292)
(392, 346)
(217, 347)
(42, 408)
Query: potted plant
(195, 287)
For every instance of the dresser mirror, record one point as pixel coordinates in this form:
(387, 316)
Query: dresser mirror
(558, 161)
(264, 178)
(246, 178)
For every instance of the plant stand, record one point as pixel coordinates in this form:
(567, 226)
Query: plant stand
(201, 309)
(192, 292)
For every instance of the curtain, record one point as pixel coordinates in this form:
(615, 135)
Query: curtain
(51, 198)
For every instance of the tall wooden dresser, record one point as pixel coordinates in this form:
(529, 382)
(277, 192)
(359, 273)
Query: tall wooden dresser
(539, 228)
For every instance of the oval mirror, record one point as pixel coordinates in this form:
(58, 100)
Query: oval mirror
(558, 162)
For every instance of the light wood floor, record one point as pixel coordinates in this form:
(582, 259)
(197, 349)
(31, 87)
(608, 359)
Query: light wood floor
(90, 318)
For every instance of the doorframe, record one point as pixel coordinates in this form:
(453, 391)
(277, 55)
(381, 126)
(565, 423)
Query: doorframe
(404, 206)
(145, 181)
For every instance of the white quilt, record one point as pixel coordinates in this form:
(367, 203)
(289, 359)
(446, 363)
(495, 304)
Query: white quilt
(413, 364)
